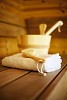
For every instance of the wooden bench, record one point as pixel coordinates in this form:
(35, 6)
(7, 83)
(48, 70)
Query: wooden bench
(18, 84)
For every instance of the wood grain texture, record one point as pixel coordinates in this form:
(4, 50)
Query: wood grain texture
(59, 92)
(58, 89)
(10, 75)
(10, 30)
(58, 45)
(35, 9)
(36, 12)
(27, 87)
(8, 46)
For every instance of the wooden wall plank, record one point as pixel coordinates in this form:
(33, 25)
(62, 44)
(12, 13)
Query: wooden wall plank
(10, 17)
(10, 30)
(10, 21)
(38, 2)
(26, 4)
(43, 13)
(8, 46)
(44, 6)
(58, 45)
(34, 13)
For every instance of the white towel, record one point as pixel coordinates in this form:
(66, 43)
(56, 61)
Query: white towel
(52, 62)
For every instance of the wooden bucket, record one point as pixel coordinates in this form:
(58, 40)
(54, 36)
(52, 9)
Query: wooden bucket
(40, 42)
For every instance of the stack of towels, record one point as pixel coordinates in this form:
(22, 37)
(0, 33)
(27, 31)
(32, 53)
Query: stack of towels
(51, 62)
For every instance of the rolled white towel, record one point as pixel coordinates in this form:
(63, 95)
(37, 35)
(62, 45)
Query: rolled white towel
(52, 63)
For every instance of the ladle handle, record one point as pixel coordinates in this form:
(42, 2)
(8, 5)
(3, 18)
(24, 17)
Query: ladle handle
(42, 28)
(58, 24)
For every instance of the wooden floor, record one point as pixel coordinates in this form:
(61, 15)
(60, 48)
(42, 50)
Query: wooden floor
(18, 84)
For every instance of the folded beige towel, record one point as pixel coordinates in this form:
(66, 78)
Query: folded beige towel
(18, 61)
(52, 63)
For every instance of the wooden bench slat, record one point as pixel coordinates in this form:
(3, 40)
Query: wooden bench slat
(27, 87)
(58, 88)
(10, 75)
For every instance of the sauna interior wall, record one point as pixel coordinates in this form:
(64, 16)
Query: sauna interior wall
(18, 17)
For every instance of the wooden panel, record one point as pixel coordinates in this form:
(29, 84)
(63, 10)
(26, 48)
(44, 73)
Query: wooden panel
(22, 88)
(58, 45)
(11, 24)
(10, 30)
(20, 10)
(44, 5)
(8, 46)
(34, 4)
(43, 13)
(10, 75)
(15, 12)
(60, 91)
(9, 17)
(31, 2)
